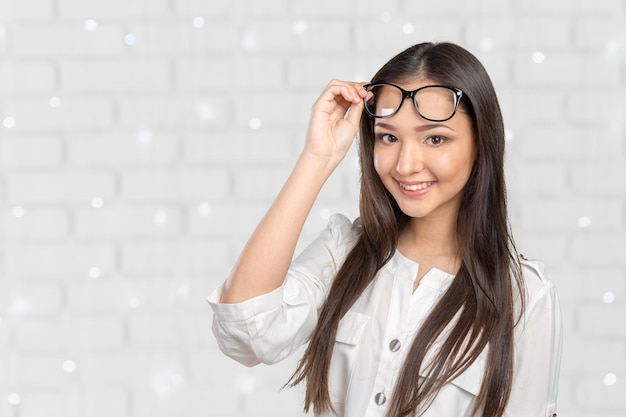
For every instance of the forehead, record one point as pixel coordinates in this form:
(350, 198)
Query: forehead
(461, 122)
(415, 83)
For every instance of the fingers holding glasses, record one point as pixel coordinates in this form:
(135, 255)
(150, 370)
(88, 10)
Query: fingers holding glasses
(335, 118)
(339, 96)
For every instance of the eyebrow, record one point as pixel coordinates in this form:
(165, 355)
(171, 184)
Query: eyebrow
(420, 128)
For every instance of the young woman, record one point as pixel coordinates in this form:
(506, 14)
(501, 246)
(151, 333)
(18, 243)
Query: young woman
(421, 307)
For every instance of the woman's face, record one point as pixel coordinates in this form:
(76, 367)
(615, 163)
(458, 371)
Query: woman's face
(424, 165)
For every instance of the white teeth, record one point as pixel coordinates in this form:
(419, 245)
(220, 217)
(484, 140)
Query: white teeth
(415, 187)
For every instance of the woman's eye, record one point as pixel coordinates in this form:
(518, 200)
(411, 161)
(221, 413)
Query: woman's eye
(435, 140)
(387, 138)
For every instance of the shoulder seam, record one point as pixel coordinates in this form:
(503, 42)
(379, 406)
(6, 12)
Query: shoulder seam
(535, 265)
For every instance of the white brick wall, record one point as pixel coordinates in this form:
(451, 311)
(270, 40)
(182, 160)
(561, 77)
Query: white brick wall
(141, 141)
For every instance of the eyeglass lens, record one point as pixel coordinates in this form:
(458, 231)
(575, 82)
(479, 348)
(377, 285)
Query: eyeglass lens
(432, 103)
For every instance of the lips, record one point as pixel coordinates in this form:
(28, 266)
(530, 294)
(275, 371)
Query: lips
(415, 186)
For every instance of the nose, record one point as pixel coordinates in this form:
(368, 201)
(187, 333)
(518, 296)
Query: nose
(409, 159)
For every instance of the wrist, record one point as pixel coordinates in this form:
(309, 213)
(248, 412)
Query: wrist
(320, 165)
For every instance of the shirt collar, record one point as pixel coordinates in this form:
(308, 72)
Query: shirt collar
(405, 268)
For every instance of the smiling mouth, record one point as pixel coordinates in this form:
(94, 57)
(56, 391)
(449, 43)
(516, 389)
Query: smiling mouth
(416, 187)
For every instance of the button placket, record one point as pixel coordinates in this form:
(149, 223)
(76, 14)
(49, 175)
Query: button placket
(391, 344)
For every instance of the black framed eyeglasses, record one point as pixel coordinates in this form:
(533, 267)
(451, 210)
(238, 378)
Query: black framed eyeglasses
(436, 103)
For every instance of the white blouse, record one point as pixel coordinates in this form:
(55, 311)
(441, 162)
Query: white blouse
(374, 336)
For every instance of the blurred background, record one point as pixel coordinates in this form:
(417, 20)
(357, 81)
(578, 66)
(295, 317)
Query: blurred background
(141, 141)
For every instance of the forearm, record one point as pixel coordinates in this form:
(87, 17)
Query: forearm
(264, 261)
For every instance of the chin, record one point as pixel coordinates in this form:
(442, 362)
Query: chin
(414, 213)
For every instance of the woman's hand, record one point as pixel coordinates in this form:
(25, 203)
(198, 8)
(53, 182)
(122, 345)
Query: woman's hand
(331, 131)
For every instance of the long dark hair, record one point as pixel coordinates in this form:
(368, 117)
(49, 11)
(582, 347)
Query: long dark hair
(477, 310)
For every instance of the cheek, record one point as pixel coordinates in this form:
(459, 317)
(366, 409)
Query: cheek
(378, 162)
(453, 167)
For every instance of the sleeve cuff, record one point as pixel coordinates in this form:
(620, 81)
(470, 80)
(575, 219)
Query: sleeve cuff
(247, 309)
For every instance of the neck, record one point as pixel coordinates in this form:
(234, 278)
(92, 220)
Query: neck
(430, 236)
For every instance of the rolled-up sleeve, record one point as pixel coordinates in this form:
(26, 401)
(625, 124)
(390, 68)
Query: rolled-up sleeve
(537, 350)
(269, 327)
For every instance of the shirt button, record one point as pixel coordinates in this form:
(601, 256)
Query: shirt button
(380, 398)
(394, 345)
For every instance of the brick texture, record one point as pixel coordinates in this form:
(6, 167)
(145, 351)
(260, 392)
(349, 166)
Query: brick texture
(141, 142)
